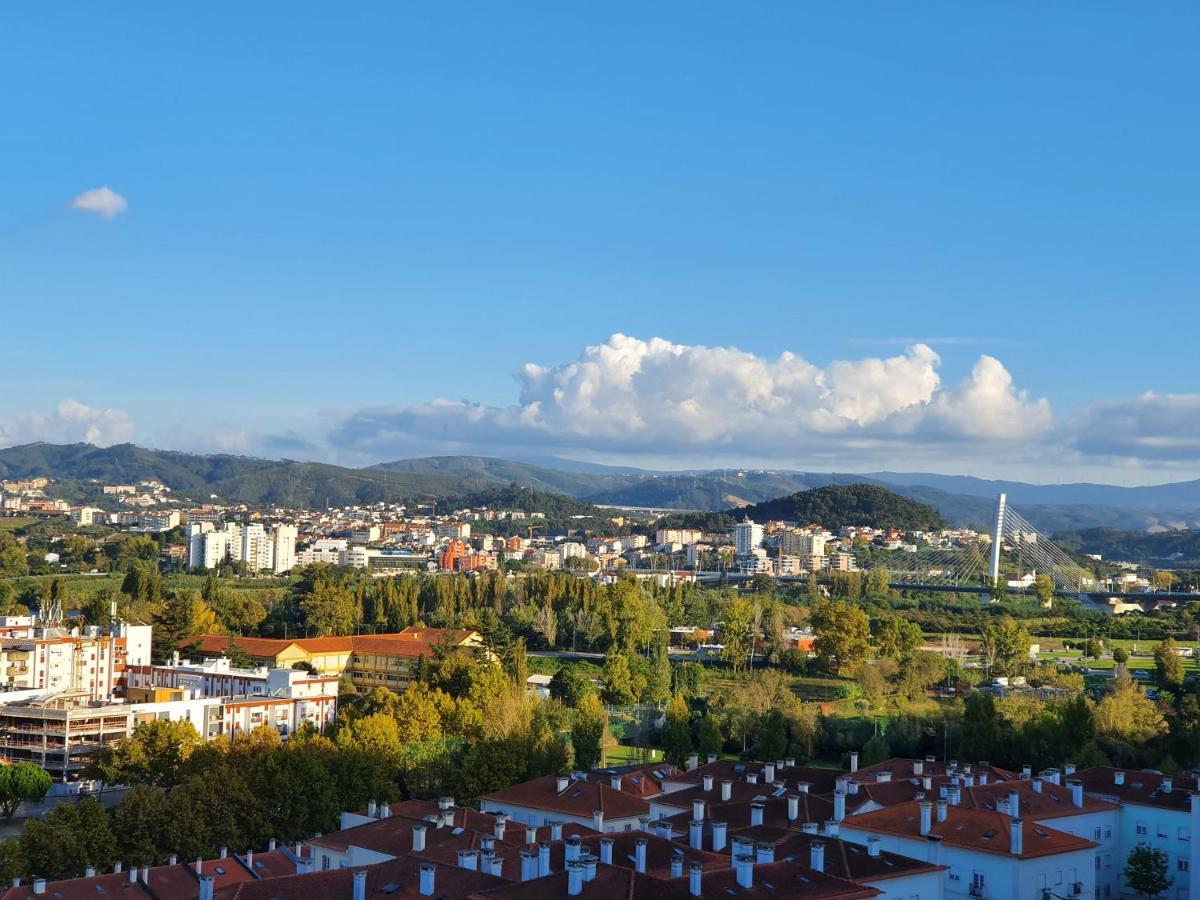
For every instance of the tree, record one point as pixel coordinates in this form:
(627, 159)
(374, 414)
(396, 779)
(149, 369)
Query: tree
(139, 823)
(71, 837)
(1168, 664)
(1043, 589)
(1146, 870)
(676, 733)
(875, 750)
(154, 754)
(878, 580)
(1163, 580)
(1127, 714)
(588, 732)
(22, 782)
(618, 680)
(898, 638)
(1005, 646)
(1120, 656)
(841, 633)
(571, 684)
(709, 739)
(329, 607)
(737, 632)
(1093, 648)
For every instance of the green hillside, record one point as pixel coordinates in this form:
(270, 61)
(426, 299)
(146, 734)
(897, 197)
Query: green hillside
(847, 504)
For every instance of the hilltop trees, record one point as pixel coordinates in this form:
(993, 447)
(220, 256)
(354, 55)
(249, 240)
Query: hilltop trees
(841, 633)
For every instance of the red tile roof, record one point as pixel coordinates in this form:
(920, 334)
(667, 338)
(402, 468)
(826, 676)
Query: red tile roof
(975, 829)
(395, 880)
(1141, 788)
(581, 798)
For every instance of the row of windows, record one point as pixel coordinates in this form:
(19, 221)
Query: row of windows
(1183, 833)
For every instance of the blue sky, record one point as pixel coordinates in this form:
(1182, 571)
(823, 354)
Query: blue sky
(336, 218)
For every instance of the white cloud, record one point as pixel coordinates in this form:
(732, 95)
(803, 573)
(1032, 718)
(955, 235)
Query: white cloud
(1153, 428)
(102, 200)
(636, 396)
(71, 422)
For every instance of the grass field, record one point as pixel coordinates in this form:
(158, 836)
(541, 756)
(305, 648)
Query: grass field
(12, 524)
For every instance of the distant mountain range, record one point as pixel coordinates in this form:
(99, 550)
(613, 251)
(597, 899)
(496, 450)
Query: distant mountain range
(960, 500)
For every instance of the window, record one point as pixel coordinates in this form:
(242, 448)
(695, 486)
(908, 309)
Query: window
(1108, 831)
(1185, 833)
(1163, 831)
(1097, 835)
(1181, 864)
(1141, 828)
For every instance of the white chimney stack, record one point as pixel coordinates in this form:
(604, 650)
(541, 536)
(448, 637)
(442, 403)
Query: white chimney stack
(574, 879)
(529, 865)
(793, 802)
(744, 867)
(756, 813)
(718, 836)
(1076, 787)
(839, 805)
(698, 809)
(1118, 777)
(926, 817)
(695, 879)
(726, 789)
(598, 820)
(360, 885)
(606, 849)
(428, 872)
(816, 856)
(695, 835)
(853, 760)
(707, 782)
(769, 773)
(918, 767)
(693, 761)
(206, 887)
(418, 838)
(639, 856)
(873, 843)
(1016, 843)
(943, 809)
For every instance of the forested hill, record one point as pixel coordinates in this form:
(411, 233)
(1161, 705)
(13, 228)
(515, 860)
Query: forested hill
(847, 504)
(1180, 549)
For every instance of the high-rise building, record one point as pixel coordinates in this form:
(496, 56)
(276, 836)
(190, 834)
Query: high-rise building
(747, 536)
(284, 537)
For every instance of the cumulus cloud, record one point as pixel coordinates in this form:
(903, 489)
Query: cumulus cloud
(629, 395)
(70, 422)
(1152, 428)
(102, 200)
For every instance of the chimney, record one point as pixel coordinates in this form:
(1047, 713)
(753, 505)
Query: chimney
(756, 813)
(146, 874)
(573, 848)
(718, 836)
(119, 867)
(816, 856)
(39, 885)
(726, 790)
(250, 859)
(133, 874)
(1014, 803)
(698, 809)
(468, 859)
(832, 828)
(1118, 777)
(606, 848)
(614, 782)
(531, 834)
(643, 823)
(693, 761)
(1016, 842)
(543, 860)
(529, 865)
(639, 856)
(853, 760)
(707, 782)
(304, 865)
(676, 865)
(764, 853)
(498, 828)
(769, 773)
(560, 783)
(918, 767)
(926, 817)
(873, 843)
(1076, 787)
(556, 831)
(1027, 771)
(360, 885)
(803, 787)
(751, 778)
(445, 803)
(695, 835)
(418, 838)
(883, 777)
(927, 782)
(943, 810)
(839, 805)
(271, 844)
(744, 867)
(428, 871)
(223, 853)
(496, 866)
(662, 828)
(89, 872)
(983, 778)
(1037, 785)
(712, 758)
(206, 887)
(372, 810)
(810, 828)
(695, 879)
(1167, 785)
(793, 801)
(173, 859)
(589, 866)
(487, 843)
(1068, 768)
(574, 879)
(598, 820)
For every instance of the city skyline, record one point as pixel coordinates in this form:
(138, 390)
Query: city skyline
(822, 242)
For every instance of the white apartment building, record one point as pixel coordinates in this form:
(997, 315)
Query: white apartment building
(164, 520)
(263, 550)
(747, 536)
(323, 550)
(795, 542)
